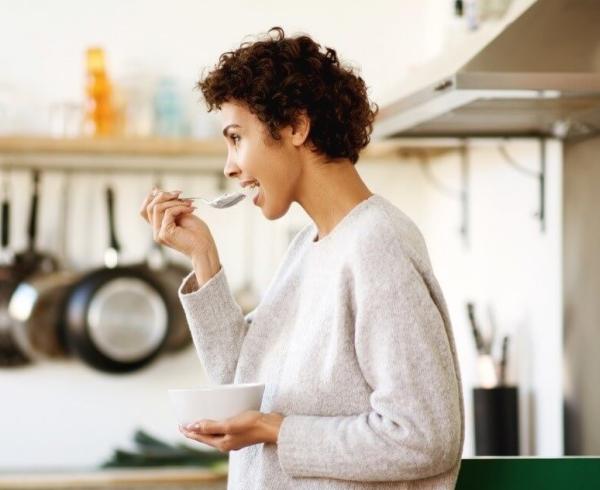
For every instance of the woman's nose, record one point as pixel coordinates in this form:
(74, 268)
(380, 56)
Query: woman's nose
(231, 169)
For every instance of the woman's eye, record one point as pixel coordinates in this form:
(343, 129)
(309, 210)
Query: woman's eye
(235, 138)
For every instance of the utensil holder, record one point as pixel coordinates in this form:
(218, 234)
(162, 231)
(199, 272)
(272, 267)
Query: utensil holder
(496, 421)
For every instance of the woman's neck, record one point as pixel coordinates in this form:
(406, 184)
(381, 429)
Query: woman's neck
(327, 191)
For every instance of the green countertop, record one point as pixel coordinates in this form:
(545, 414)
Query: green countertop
(529, 473)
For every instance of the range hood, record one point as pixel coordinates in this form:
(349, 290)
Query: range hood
(540, 76)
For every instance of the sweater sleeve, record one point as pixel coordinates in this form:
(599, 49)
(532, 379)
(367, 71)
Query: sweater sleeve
(404, 349)
(216, 323)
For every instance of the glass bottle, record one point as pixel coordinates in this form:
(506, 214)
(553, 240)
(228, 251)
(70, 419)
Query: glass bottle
(100, 114)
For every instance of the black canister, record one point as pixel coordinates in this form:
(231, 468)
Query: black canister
(496, 421)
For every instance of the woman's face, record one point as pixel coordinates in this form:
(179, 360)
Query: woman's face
(253, 156)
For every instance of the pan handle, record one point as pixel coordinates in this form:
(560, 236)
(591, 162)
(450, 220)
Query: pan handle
(110, 206)
(32, 228)
(5, 222)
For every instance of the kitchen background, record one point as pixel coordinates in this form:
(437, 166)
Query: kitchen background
(62, 413)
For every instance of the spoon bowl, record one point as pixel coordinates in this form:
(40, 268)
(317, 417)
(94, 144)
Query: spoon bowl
(223, 201)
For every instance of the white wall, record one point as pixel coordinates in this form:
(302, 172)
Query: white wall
(509, 265)
(65, 414)
(42, 44)
(512, 267)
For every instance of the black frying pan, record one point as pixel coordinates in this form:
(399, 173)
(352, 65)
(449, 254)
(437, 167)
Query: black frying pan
(116, 318)
(15, 269)
(10, 276)
(35, 303)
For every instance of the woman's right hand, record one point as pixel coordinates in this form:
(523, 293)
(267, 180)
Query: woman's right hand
(174, 225)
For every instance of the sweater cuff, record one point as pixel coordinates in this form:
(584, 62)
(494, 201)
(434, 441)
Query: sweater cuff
(212, 303)
(296, 436)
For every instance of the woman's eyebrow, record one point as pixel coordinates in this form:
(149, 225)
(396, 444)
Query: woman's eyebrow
(230, 126)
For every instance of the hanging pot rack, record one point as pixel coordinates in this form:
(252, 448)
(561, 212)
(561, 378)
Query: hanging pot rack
(206, 157)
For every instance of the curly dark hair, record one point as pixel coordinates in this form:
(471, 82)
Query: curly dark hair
(278, 78)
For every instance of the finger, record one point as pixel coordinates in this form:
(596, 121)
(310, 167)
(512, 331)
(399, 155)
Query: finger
(214, 440)
(168, 224)
(242, 423)
(163, 206)
(159, 197)
(158, 213)
(209, 427)
(146, 202)
(159, 209)
(223, 442)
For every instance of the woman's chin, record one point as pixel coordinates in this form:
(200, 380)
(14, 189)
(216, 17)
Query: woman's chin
(272, 213)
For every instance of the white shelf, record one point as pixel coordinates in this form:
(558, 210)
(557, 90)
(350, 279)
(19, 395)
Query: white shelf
(174, 155)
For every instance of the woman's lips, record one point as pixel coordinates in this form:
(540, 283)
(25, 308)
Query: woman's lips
(256, 192)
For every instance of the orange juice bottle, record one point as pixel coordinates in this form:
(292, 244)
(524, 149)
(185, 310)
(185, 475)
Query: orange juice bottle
(100, 114)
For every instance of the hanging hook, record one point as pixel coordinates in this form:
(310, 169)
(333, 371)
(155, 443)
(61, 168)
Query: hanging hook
(540, 176)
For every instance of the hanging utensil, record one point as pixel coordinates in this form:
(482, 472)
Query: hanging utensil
(31, 259)
(486, 368)
(479, 342)
(35, 305)
(503, 360)
(116, 317)
(23, 265)
(10, 275)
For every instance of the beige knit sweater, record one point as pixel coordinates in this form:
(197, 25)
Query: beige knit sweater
(354, 342)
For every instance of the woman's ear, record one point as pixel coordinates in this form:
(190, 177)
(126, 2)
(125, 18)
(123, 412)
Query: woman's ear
(300, 129)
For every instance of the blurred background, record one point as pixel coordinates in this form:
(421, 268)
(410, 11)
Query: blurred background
(97, 95)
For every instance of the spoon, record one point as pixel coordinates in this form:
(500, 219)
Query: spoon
(224, 201)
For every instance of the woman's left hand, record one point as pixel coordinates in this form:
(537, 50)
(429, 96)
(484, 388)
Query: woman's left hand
(246, 429)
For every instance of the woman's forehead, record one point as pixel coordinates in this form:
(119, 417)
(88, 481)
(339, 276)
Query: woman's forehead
(235, 113)
(237, 116)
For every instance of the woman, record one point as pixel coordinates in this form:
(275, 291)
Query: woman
(352, 337)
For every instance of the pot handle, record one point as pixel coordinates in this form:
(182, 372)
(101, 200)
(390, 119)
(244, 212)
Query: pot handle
(110, 206)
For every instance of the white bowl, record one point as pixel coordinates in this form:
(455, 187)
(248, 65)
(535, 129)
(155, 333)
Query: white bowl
(216, 402)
